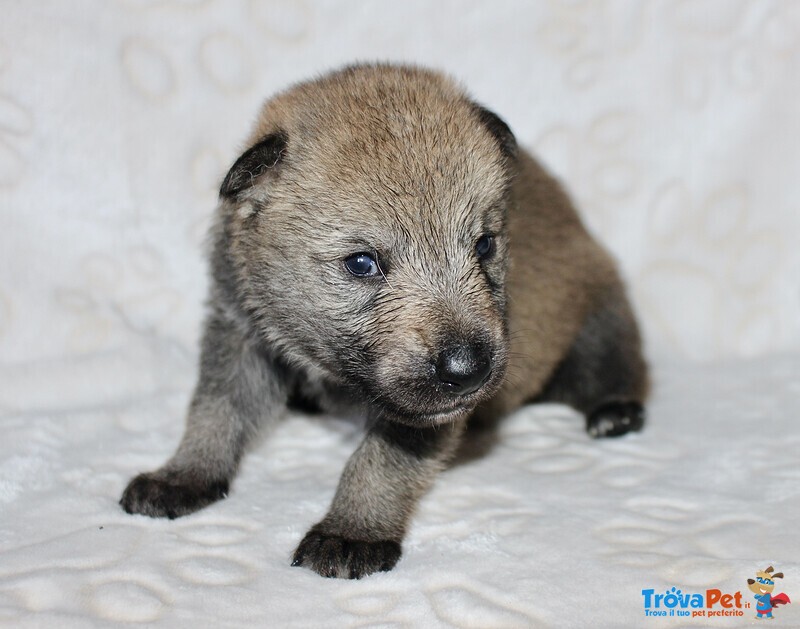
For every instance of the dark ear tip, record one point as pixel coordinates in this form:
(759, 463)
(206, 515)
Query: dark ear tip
(499, 129)
(228, 188)
(254, 162)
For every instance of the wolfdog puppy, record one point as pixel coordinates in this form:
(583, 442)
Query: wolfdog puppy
(383, 245)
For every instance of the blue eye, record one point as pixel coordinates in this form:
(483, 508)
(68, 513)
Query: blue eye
(362, 265)
(485, 246)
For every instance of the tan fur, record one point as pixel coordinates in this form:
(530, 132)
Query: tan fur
(557, 269)
(399, 164)
(557, 272)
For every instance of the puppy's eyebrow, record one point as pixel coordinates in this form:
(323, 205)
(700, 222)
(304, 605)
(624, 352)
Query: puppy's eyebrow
(338, 246)
(480, 219)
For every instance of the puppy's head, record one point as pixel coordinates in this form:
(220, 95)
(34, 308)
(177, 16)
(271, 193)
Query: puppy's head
(367, 224)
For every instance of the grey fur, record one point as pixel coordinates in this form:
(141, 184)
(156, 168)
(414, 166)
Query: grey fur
(398, 164)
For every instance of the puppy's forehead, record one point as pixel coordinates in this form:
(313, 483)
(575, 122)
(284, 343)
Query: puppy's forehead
(401, 139)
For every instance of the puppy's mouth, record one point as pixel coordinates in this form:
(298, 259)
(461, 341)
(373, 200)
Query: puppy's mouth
(445, 415)
(430, 418)
(436, 414)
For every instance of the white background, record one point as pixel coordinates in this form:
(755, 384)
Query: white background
(675, 125)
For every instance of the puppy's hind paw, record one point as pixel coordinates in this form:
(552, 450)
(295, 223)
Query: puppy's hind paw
(170, 495)
(337, 556)
(614, 419)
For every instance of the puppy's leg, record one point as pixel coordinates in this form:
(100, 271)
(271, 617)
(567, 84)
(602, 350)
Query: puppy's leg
(604, 374)
(237, 390)
(376, 497)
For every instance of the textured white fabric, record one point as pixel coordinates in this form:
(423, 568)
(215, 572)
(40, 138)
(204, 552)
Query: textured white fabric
(674, 124)
(548, 529)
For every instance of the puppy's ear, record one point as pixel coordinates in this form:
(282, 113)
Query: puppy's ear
(253, 163)
(499, 129)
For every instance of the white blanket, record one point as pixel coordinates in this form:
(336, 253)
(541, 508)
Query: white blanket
(675, 126)
(549, 528)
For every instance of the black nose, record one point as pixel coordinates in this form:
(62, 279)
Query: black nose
(463, 369)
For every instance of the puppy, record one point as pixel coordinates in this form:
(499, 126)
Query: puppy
(383, 245)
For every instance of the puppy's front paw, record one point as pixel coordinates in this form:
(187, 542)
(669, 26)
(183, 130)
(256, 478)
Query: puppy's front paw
(336, 556)
(615, 418)
(170, 495)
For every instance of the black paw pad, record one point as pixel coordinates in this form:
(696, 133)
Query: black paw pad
(614, 419)
(170, 495)
(336, 556)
